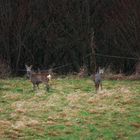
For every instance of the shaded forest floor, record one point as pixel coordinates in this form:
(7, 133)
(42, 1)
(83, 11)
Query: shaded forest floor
(71, 110)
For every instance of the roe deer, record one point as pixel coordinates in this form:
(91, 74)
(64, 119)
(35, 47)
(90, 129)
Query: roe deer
(83, 72)
(98, 79)
(37, 78)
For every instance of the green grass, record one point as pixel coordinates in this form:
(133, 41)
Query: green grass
(70, 110)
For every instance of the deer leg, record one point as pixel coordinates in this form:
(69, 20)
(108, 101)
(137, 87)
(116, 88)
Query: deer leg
(101, 85)
(37, 86)
(47, 87)
(96, 87)
(33, 86)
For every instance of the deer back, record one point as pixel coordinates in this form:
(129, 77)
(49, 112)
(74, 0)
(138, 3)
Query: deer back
(39, 78)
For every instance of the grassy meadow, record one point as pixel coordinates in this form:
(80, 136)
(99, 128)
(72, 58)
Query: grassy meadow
(70, 110)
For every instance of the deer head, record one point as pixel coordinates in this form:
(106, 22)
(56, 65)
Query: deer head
(101, 71)
(29, 70)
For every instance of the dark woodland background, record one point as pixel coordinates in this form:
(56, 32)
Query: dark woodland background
(54, 33)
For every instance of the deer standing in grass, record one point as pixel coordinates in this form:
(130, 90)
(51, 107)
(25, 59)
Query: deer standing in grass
(98, 79)
(37, 78)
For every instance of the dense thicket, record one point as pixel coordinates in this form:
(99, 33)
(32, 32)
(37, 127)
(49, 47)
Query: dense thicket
(51, 33)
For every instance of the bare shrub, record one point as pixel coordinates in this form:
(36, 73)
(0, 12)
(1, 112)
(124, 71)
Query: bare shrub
(134, 77)
(5, 69)
(116, 77)
(112, 75)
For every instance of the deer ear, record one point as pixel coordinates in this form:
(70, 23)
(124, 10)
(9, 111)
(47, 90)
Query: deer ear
(26, 66)
(31, 66)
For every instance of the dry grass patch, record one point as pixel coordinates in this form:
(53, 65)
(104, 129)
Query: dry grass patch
(115, 100)
(4, 124)
(73, 98)
(137, 125)
(24, 122)
(1, 110)
(11, 96)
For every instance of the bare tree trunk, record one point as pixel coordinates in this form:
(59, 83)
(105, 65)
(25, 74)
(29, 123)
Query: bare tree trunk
(93, 54)
(19, 45)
